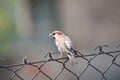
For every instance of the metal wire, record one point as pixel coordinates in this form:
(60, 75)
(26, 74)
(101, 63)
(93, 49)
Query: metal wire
(114, 55)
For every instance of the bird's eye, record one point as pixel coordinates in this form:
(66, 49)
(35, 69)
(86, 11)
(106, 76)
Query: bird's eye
(53, 33)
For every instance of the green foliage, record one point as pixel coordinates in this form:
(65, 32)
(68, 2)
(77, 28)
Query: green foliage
(7, 27)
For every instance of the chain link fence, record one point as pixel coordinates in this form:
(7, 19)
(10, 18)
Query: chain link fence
(92, 65)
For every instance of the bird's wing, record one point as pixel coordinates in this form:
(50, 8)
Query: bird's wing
(68, 44)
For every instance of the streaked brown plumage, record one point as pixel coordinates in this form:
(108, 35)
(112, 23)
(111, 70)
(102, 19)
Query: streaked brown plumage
(63, 44)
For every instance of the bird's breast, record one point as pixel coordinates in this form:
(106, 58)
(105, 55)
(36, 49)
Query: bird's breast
(61, 46)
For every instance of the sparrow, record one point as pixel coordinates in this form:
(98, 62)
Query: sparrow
(64, 45)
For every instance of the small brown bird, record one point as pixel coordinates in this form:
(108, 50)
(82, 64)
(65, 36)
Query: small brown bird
(64, 45)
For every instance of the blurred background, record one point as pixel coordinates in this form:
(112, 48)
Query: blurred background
(26, 24)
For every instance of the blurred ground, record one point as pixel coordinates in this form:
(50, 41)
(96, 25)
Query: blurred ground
(25, 25)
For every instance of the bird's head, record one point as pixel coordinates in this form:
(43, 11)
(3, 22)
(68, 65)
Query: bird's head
(56, 34)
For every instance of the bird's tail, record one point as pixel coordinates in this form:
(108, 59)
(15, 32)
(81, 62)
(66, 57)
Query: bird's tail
(71, 57)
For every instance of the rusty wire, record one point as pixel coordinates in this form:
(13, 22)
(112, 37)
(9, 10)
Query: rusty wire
(113, 54)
